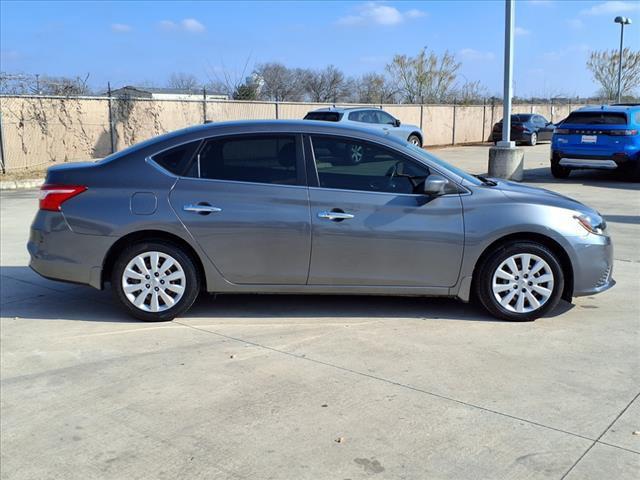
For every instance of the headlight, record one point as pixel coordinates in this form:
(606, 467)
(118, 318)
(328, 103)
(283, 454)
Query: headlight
(592, 223)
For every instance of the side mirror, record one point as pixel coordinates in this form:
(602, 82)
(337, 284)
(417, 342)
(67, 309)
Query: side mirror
(396, 123)
(435, 185)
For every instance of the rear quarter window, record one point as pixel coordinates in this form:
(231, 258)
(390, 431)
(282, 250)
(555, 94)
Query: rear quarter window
(324, 116)
(178, 159)
(596, 118)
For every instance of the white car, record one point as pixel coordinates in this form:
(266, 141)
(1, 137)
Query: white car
(375, 118)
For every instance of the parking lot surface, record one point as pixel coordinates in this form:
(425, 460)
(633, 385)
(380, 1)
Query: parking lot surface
(300, 387)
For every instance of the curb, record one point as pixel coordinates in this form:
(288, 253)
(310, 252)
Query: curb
(21, 184)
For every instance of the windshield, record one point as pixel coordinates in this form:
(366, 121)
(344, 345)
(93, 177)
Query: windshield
(441, 163)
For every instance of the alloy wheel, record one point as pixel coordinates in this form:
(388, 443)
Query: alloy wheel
(356, 153)
(153, 281)
(523, 283)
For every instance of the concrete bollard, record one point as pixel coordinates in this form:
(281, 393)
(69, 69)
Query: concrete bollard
(507, 163)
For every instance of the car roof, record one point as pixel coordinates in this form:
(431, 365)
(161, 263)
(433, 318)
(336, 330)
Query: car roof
(609, 108)
(344, 109)
(274, 126)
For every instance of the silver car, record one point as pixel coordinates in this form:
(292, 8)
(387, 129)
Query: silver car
(373, 118)
(280, 207)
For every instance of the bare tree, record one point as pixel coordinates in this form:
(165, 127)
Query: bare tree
(427, 77)
(374, 88)
(279, 82)
(28, 84)
(227, 81)
(17, 84)
(604, 68)
(183, 81)
(468, 93)
(328, 85)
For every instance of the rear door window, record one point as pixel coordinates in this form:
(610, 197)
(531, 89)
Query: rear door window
(596, 118)
(270, 159)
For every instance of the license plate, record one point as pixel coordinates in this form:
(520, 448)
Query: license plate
(589, 139)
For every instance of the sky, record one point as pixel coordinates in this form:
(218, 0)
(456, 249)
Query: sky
(128, 43)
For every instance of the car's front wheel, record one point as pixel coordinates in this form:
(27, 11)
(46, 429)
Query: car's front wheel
(520, 281)
(533, 139)
(155, 281)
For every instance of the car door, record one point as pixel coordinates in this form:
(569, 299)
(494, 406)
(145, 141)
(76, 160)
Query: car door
(246, 204)
(546, 128)
(370, 227)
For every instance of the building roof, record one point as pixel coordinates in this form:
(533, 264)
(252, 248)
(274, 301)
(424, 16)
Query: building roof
(170, 91)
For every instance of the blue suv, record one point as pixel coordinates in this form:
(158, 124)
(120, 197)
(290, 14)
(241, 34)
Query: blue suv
(605, 137)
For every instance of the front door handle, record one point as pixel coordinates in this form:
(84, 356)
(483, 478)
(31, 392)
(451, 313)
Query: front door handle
(201, 208)
(335, 216)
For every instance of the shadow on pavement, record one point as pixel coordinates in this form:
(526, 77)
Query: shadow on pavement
(77, 302)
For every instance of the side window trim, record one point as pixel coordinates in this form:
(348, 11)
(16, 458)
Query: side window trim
(301, 177)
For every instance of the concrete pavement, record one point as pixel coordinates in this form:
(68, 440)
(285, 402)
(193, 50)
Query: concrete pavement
(263, 386)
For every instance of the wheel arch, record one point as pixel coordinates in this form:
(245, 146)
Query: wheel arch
(550, 243)
(417, 134)
(148, 236)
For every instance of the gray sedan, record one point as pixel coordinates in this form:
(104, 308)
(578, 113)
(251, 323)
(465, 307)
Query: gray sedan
(373, 118)
(281, 207)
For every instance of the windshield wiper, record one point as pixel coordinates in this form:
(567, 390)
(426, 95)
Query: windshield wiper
(486, 181)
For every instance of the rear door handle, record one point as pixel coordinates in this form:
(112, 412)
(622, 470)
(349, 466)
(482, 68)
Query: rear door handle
(201, 208)
(335, 216)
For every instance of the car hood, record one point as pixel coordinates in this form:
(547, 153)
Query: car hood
(525, 193)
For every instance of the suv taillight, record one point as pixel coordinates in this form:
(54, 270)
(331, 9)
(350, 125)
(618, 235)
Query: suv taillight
(53, 196)
(561, 131)
(620, 133)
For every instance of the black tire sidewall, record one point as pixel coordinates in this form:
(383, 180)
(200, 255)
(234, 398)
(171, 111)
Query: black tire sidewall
(192, 287)
(484, 289)
(558, 171)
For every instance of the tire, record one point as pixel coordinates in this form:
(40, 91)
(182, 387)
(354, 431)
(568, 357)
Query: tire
(415, 140)
(558, 171)
(179, 282)
(493, 282)
(533, 139)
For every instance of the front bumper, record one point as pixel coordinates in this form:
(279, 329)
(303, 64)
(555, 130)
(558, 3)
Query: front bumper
(58, 253)
(592, 265)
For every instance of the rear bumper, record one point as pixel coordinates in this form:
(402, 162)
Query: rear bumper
(515, 136)
(579, 160)
(57, 253)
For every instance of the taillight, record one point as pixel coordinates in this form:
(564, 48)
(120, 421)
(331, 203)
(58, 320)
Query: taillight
(621, 133)
(53, 196)
(561, 131)
(518, 128)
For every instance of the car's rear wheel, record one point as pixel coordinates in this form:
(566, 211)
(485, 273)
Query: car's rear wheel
(415, 140)
(558, 171)
(533, 140)
(520, 282)
(155, 281)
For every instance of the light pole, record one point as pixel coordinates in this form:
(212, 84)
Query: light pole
(505, 160)
(622, 21)
(509, 23)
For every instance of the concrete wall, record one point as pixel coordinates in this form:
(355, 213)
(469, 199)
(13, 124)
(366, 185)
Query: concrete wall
(42, 131)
